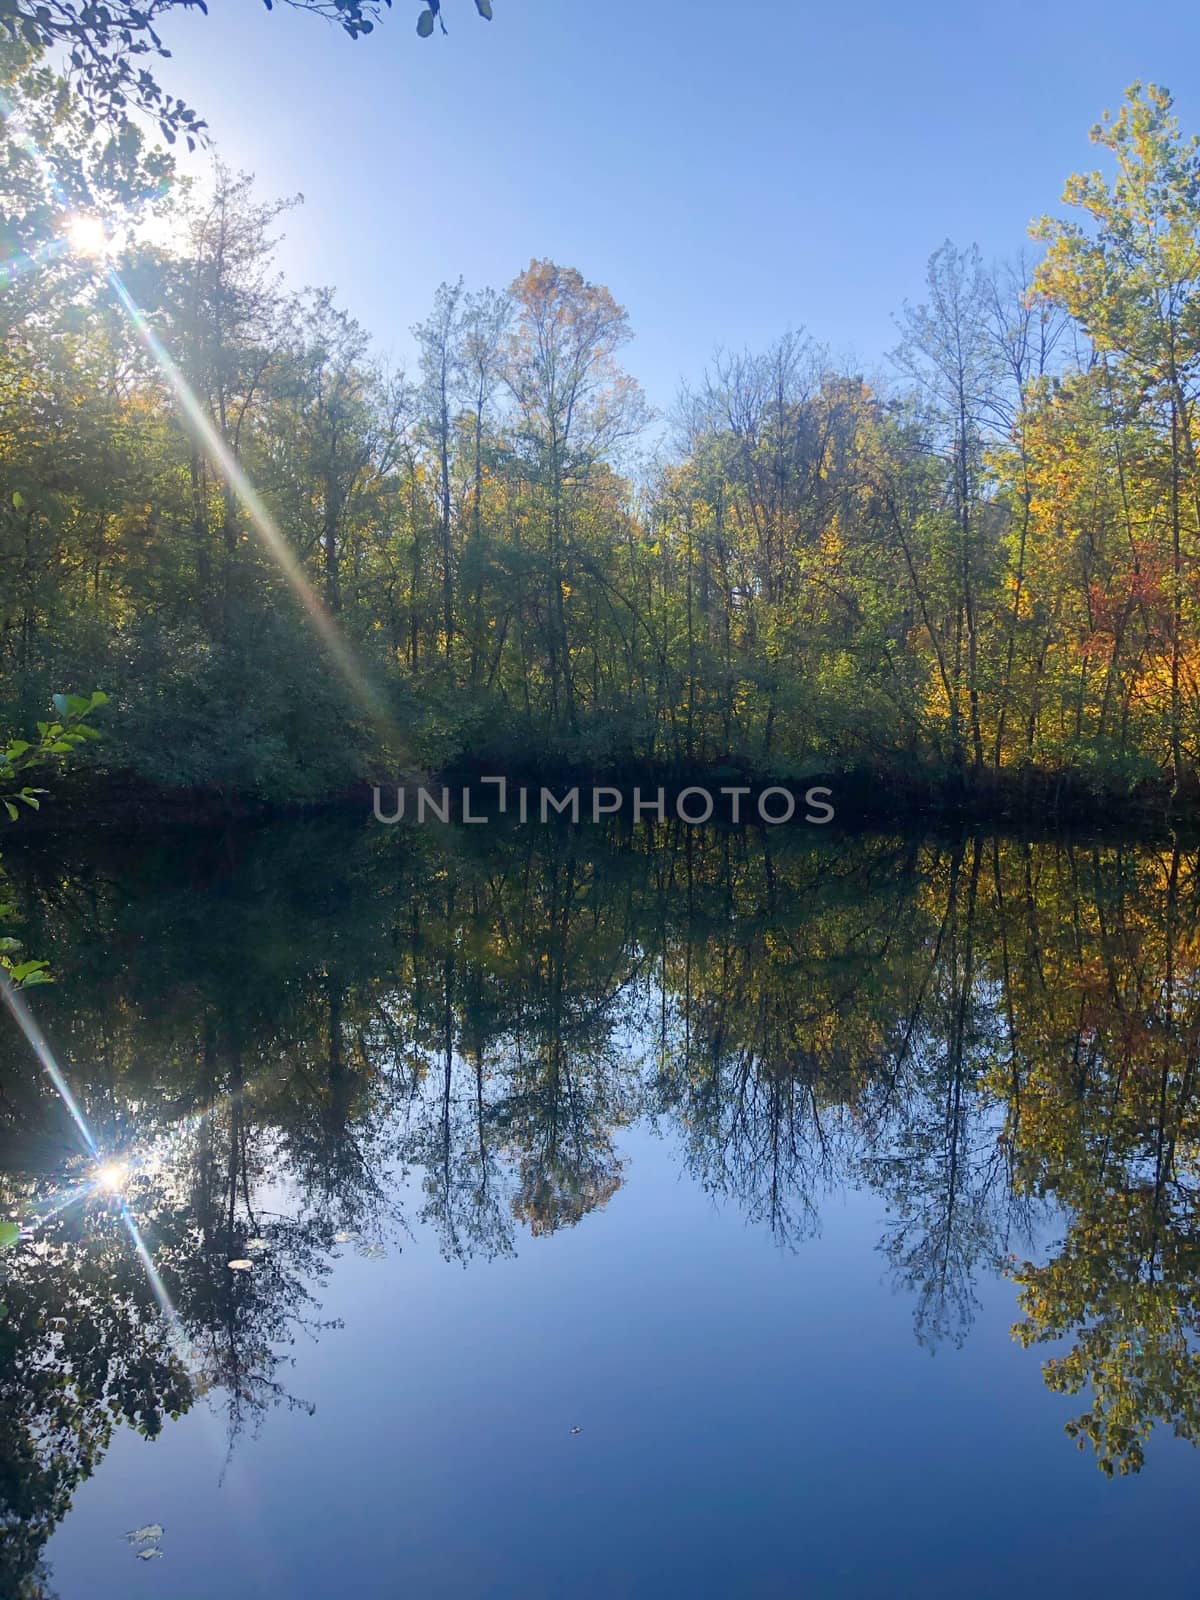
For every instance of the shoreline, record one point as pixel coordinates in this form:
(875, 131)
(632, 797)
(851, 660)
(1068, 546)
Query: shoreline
(1028, 801)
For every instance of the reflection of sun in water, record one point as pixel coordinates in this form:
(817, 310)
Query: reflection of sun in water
(88, 236)
(112, 1176)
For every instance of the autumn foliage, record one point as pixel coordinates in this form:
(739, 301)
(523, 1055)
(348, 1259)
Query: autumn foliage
(982, 575)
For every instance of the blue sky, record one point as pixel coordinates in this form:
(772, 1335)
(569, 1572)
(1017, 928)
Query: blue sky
(728, 170)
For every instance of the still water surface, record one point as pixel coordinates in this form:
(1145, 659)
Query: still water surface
(678, 1215)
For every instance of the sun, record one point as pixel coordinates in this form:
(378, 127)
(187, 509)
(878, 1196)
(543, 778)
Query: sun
(113, 1176)
(88, 236)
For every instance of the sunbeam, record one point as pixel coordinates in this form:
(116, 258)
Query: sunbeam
(16, 266)
(24, 1020)
(109, 1174)
(264, 524)
(45, 1210)
(90, 236)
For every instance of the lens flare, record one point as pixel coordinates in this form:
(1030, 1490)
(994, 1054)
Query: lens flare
(108, 1175)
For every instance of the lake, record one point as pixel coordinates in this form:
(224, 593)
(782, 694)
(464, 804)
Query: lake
(662, 1213)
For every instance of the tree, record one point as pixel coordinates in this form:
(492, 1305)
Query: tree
(575, 406)
(439, 339)
(948, 349)
(1130, 279)
(486, 319)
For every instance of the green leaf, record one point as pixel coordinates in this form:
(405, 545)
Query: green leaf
(484, 8)
(18, 499)
(425, 24)
(11, 809)
(30, 972)
(10, 1233)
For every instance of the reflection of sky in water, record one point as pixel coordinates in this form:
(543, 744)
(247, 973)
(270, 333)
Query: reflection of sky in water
(754, 1421)
(755, 1418)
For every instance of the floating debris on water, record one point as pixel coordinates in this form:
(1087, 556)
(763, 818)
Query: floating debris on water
(241, 1266)
(371, 1252)
(345, 1236)
(146, 1535)
(576, 1430)
(153, 1554)
(258, 1244)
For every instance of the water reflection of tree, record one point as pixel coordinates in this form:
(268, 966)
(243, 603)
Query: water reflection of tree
(977, 1031)
(519, 984)
(83, 1350)
(571, 1080)
(1110, 1123)
(771, 1029)
(936, 1147)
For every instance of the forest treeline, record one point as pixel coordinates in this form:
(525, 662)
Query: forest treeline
(984, 572)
